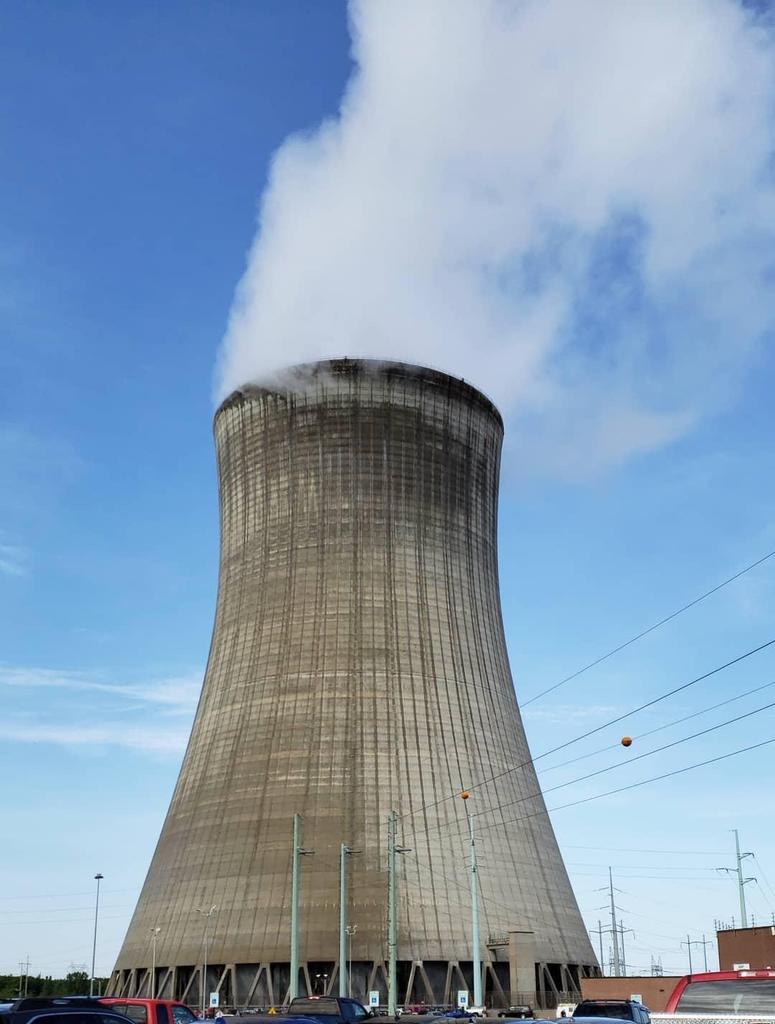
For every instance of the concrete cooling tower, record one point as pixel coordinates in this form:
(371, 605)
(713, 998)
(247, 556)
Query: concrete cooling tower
(358, 666)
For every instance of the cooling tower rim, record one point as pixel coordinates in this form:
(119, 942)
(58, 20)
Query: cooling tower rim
(289, 378)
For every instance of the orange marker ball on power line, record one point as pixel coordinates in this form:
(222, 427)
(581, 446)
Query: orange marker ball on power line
(626, 741)
(465, 795)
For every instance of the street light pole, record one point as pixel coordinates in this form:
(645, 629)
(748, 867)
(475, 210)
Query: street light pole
(297, 852)
(476, 960)
(393, 849)
(206, 914)
(343, 851)
(154, 933)
(351, 930)
(97, 878)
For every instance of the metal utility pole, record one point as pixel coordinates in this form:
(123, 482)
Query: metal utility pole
(476, 958)
(206, 914)
(154, 935)
(97, 878)
(688, 945)
(705, 944)
(622, 931)
(741, 881)
(614, 929)
(297, 852)
(600, 937)
(393, 849)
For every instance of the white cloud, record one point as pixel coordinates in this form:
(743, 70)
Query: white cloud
(150, 738)
(570, 205)
(13, 560)
(151, 716)
(178, 693)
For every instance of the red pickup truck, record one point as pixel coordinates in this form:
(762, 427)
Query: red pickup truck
(151, 1011)
(741, 993)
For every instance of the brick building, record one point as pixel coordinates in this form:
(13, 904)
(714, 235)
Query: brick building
(754, 947)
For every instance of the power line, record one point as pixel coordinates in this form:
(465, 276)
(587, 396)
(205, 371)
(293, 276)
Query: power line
(628, 762)
(641, 867)
(619, 849)
(764, 876)
(596, 729)
(57, 895)
(645, 632)
(632, 785)
(659, 728)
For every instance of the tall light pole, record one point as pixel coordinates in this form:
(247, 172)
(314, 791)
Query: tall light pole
(476, 960)
(206, 914)
(154, 934)
(393, 849)
(97, 878)
(343, 851)
(297, 852)
(351, 930)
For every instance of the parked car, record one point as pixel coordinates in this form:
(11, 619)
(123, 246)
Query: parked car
(21, 1011)
(83, 1012)
(518, 1013)
(322, 1010)
(150, 1011)
(621, 1009)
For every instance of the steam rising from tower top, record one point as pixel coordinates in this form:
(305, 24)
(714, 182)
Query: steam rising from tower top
(568, 204)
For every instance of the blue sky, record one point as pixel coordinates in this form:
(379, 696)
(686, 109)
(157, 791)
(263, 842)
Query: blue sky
(136, 146)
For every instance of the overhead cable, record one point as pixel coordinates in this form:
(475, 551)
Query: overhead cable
(645, 632)
(628, 762)
(593, 731)
(659, 728)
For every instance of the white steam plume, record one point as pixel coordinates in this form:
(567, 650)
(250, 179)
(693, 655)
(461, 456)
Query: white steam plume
(569, 204)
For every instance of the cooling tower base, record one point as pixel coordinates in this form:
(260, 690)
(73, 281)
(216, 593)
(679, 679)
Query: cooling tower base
(437, 982)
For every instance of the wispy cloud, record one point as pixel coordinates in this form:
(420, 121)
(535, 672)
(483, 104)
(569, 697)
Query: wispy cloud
(150, 716)
(14, 560)
(177, 693)
(149, 738)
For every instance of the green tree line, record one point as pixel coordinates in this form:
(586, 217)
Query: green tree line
(76, 983)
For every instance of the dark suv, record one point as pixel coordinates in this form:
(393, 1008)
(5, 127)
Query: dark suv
(619, 1009)
(71, 1010)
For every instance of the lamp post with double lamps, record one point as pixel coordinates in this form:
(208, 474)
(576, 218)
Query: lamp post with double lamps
(154, 936)
(97, 878)
(206, 914)
(351, 929)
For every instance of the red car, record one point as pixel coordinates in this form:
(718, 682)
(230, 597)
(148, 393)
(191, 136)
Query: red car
(151, 1011)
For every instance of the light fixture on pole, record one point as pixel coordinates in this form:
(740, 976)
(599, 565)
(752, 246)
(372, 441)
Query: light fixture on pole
(344, 853)
(97, 878)
(351, 929)
(206, 914)
(154, 934)
(297, 852)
